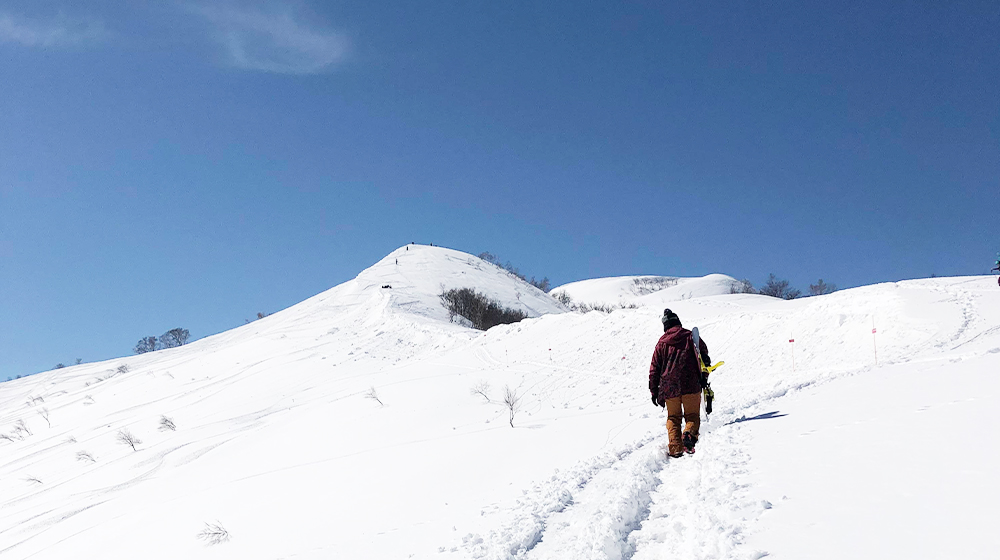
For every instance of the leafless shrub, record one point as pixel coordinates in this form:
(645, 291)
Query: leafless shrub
(742, 287)
(167, 424)
(373, 395)
(88, 400)
(482, 389)
(21, 428)
(562, 297)
(821, 288)
(604, 307)
(70, 439)
(480, 310)
(32, 480)
(513, 402)
(84, 456)
(214, 533)
(8, 437)
(126, 437)
(44, 413)
(649, 284)
(33, 400)
(122, 369)
(779, 289)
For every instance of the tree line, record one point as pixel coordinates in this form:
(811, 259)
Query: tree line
(779, 288)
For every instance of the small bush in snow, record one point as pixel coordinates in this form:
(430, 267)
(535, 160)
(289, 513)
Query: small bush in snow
(373, 395)
(513, 402)
(603, 307)
(33, 480)
(480, 310)
(122, 369)
(21, 428)
(167, 424)
(482, 389)
(562, 297)
(649, 284)
(214, 533)
(84, 456)
(126, 437)
(44, 413)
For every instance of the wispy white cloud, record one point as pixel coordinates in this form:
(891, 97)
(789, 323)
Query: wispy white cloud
(274, 42)
(57, 32)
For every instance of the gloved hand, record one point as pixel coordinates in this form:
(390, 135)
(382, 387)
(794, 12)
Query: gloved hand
(654, 401)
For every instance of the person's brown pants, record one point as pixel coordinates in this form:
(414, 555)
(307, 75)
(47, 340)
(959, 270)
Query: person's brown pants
(691, 405)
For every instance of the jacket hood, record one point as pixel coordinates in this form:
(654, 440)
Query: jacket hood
(676, 336)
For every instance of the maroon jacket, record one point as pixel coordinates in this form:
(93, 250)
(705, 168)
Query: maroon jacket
(674, 370)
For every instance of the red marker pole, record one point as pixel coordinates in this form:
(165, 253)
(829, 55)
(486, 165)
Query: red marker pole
(792, 342)
(874, 344)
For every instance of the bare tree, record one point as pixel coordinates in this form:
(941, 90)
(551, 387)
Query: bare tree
(373, 395)
(84, 456)
(214, 533)
(167, 424)
(32, 479)
(821, 288)
(482, 389)
(126, 437)
(779, 289)
(513, 402)
(122, 369)
(174, 338)
(742, 287)
(146, 344)
(44, 413)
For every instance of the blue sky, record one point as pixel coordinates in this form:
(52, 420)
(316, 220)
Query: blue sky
(188, 164)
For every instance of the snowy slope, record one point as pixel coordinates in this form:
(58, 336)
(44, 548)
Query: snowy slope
(652, 291)
(279, 439)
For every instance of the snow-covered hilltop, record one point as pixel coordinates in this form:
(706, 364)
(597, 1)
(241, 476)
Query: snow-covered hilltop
(362, 423)
(653, 291)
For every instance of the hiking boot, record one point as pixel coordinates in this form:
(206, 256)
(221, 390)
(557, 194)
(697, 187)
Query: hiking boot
(689, 441)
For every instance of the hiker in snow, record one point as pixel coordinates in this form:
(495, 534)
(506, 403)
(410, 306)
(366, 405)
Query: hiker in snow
(675, 382)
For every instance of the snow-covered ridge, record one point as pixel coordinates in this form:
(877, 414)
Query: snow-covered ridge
(652, 291)
(361, 423)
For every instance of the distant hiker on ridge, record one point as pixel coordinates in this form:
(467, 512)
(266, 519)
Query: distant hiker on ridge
(675, 382)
